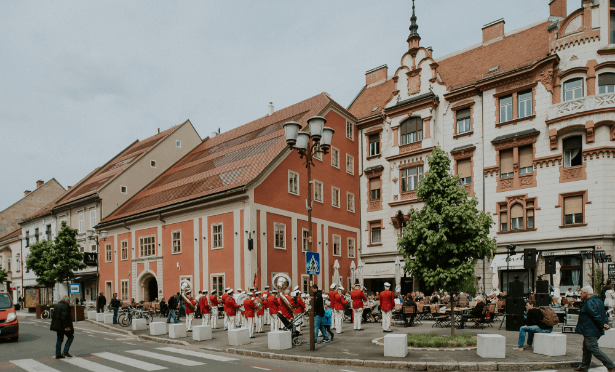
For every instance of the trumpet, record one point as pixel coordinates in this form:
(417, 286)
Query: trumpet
(185, 289)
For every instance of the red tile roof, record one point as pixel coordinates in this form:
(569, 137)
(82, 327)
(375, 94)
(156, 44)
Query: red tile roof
(11, 235)
(372, 97)
(227, 161)
(107, 173)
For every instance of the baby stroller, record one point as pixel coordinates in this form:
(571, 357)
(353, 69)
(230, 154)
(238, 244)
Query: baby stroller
(292, 327)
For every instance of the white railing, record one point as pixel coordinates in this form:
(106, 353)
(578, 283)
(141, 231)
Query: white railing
(581, 104)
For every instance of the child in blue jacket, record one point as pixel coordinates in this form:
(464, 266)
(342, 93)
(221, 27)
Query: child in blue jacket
(327, 319)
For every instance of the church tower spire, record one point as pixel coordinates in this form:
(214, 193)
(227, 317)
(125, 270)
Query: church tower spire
(414, 38)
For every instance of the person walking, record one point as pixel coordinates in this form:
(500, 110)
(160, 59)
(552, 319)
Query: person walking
(319, 313)
(172, 306)
(592, 324)
(213, 302)
(115, 306)
(533, 324)
(101, 301)
(62, 324)
(327, 320)
(204, 308)
(387, 304)
(357, 296)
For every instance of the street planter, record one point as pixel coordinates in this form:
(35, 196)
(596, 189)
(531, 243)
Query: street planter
(80, 313)
(39, 310)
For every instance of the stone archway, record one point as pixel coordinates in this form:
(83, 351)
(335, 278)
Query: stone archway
(147, 287)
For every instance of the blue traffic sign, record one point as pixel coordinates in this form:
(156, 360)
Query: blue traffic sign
(312, 263)
(74, 288)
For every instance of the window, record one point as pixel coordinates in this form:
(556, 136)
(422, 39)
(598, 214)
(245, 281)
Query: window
(8, 264)
(612, 30)
(27, 239)
(411, 131)
(147, 246)
(177, 241)
(573, 210)
(305, 243)
(503, 221)
(317, 154)
(351, 245)
(374, 187)
(349, 202)
(516, 217)
(349, 164)
(318, 191)
(124, 250)
(463, 121)
(526, 160)
(506, 110)
(178, 143)
(572, 151)
(81, 223)
(573, 89)
(335, 157)
(606, 82)
(280, 233)
(349, 131)
(48, 232)
(17, 263)
(506, 164)
(305, 281)
(464, 171)
(93, 248)
(217, 283)
(337, 245)
(375, 231)
(124, 292)
(92, 218)
(152, 163)
(36, 235)
(374, 145)
(293, 182)
(123, 189)
(216, 235)
(529, 214)
(410, 177)
(525, 104)
(335, 197)
(107, 252)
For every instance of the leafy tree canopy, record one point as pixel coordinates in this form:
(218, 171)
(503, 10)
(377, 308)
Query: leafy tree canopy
(3, 275)
(39, 260)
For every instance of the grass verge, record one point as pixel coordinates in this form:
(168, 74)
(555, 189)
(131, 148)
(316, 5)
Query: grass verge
(424, 340)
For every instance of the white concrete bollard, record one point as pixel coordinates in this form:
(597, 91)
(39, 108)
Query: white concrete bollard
(92, 315)
(491, 346)
(139, 324)
(396, 345)
(158, 328)
(280, 340)
(100, 317)
(108, 318)
(608, 340)
(201, 333)
(550, 344)
(238, 337)
(177, 330)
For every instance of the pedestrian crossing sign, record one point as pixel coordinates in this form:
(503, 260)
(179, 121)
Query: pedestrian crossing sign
(312, 263)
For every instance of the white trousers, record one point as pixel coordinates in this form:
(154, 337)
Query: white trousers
(259, 323)
(273, 318)
(205, 319)
(226, 321)
(301, 319)
(214, 318)
(189, 318)
(250, 324)
(238, 319)
(358, 317)
(266, 317)
(231, 322)
(244, 322)
(386, 320)
(339, 318)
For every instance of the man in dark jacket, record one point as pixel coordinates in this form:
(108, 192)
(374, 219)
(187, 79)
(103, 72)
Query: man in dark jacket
(115, 305)
(592, 324)
(172, 305)
(533, 324)
(62, 324)
(101, 301)
(475, 313)
(319, 313)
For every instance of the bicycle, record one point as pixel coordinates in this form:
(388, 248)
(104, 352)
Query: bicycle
(125, 319)
(47, 314)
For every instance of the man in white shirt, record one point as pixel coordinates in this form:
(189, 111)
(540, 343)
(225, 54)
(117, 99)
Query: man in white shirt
(569, 293)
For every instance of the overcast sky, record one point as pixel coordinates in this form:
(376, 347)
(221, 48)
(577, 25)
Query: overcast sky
(81, 80)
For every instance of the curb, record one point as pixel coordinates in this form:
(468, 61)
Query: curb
(413, 366)
(142, 337)
(110, 327)
(375, 342)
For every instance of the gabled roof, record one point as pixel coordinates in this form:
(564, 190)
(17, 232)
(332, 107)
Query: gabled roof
(372, 99)
(105, 174)
(225, 162)
(12, 235)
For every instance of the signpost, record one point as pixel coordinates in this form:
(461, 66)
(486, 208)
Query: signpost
(74, 289)
(312, 263)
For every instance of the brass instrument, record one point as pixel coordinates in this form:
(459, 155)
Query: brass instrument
(282, 282)
(185, 288)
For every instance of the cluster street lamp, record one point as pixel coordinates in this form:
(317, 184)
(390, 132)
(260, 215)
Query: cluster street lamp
(320, 143)
(92, 237)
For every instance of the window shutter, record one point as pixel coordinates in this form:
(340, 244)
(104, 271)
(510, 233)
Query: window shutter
(464, 168)
(529, 213)
(525, 157)
(374, 183)
(573, 205)
(503, 217)
(571, 143)
(506, 161)
(516, 211)
(374, 225)
(374, 138)
(529, 204)
(606, 79)
(411, 126)
(463, 114)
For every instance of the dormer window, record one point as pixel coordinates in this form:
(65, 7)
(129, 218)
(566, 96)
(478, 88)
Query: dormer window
(411, 131)
(573, 89)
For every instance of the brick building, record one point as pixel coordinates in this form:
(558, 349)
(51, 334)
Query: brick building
(528, 119)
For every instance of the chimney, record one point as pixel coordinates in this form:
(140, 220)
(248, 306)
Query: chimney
(493, 30)
(25, 193)
(39, 183)
(271, 110)
(376, 74)
(158, 130)
(558, 8)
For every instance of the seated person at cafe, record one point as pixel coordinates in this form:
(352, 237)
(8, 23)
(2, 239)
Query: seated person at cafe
(435, 298)
(578, 292)
(409, 302)
(475, 313)
(569, 293)
(533, 324)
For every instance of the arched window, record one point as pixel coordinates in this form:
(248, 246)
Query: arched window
(516, 217)
(572, 151)
(411, 131)
(606, 82)
(573, 89)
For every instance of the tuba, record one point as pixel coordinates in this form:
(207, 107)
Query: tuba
(282, 282)
(185, 289)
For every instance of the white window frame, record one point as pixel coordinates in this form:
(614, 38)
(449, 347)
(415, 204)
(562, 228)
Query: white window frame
(371, 235)
(317, 154)
(123, 189)
(352, 243)
(305, 279)
(221, 234)
(321, 191)
(178, 143)
(349, 194)
(305, 235)
(349, 134)
(276, 226)
(92, 247)
(220, 289)
(93, 218)
(108, 253)
(335, 157)
(350, 170)
(334, 196)
(173, 240)
(81, 223)
(372, 149)
(152, 163)
(127, 298)
(153, 236)
(122, 250)
(333, 240)
(566, 90)
(293, 175)
(526, 103)
(504, 108)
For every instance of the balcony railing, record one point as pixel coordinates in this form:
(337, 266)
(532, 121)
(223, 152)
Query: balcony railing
(581, 105)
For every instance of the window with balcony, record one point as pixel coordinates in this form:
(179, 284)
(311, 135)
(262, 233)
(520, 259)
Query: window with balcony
(526, 160)
(572, 151)
(525, 104)
(374, 145)
(411, 131)
(410, 178)
(573, 89)
(506, 164)
(463, 121)
(374, 188)
(464, 171)
(606, 82)
(506, 109)
(573, 210)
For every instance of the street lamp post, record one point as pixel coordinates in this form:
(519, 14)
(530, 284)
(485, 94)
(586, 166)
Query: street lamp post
(320, 137)
(93, 237)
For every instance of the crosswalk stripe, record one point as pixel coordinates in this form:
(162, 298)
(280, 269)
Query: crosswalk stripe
(32, 365)
(89, 365)
(130, 361)
(196, 354)
(166, 358)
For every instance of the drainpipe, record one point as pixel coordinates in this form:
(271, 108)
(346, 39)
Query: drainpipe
(482, 136)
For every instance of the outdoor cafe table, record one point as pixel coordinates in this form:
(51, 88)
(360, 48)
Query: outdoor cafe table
(458, 312)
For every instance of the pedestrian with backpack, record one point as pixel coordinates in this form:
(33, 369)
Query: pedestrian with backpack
(539, 320)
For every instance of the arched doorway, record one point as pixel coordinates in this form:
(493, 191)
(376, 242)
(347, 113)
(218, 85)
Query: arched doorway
(148, 288)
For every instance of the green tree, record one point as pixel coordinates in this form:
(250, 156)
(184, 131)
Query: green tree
(3, 275)
(39, 261)
(441, 241)
(66, 258)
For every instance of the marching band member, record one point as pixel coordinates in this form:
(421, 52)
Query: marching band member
(332, 295)
(190, 313)
(298, 307)
(230, 307)
(339, 303)
(260, 312)
(213, 301)
(224, 298)
(204, 308)
(273, 303)
(387, 304)
(286, 312)
(249, 308)
(357, 296)
(265, 296)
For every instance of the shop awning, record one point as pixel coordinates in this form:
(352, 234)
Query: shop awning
(515, 263)
(379, 270)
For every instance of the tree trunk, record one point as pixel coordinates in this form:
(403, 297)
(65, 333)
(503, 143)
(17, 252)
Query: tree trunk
(452, 302)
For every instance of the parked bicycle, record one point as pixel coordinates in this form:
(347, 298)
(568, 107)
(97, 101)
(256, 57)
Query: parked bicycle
(125, 318)
(47, 314)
